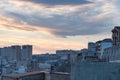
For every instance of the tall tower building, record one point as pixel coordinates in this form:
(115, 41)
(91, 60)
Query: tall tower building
(15, 52)
(116, 36)
(26, 52)
(4, 53)
(11, 53)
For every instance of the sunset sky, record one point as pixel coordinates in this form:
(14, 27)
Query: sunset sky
(51, 25)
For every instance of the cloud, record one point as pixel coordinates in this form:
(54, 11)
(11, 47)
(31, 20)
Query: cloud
(37, 24)
(63, 20)
(59, 2)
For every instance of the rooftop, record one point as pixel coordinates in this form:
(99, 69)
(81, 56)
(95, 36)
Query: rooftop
(116, 28)
(38, 76)
(22, 74)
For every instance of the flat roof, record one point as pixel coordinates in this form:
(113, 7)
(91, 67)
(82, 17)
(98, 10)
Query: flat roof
(14, 76)
(21, 75)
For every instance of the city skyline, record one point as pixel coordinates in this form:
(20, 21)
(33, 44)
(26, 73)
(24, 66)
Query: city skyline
(50, 26)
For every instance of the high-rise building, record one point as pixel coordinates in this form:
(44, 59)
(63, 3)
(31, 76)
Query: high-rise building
(116, 35)
(12, 53)
(4, 52)
(113, 53)
(15, 52)
(26, 52)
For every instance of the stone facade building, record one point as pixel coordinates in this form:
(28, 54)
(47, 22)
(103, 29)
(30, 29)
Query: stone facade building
(116, 36)
(113, 53)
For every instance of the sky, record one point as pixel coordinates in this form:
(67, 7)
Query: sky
(51, 25)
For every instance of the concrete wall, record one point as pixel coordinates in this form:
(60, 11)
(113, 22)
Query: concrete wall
(60, 76)
(95, 71)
